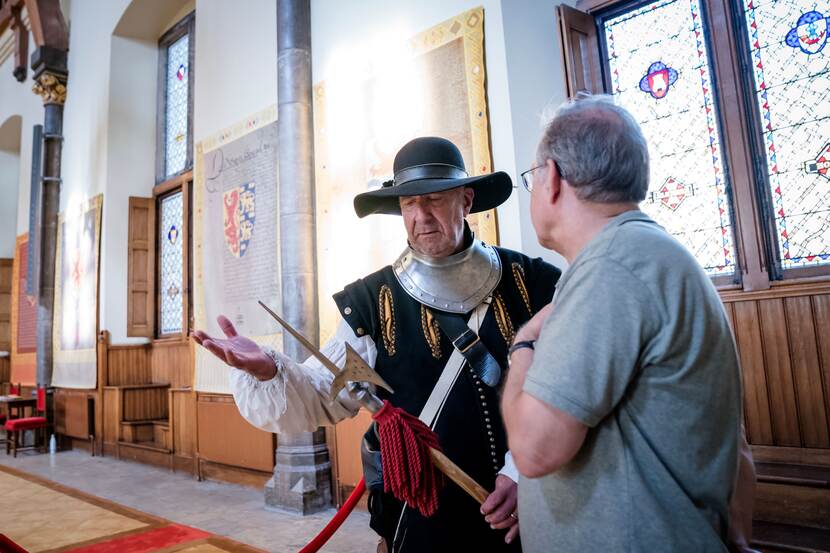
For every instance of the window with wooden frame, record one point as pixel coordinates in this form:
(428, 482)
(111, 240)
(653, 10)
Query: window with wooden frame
(159, 280)
(732, 97)
(174, 122)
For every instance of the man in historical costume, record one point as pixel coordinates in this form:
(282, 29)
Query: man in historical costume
(411, 321)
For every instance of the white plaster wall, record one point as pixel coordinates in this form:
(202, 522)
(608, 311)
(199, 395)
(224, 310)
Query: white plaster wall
(131, 151)
(18, 99)
(9, 173)
(523, 74)
(85, 165)
(236, 62)
(536, 79)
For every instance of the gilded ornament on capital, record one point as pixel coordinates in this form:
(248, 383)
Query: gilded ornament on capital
(50, 89)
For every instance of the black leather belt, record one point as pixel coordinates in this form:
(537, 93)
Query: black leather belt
(470, 346)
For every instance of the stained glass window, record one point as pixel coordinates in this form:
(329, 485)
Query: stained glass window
(171, 222)
(659, 70)
(176, 110)
(791, 66)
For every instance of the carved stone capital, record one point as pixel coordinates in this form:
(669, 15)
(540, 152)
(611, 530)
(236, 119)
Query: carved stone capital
(51, 88)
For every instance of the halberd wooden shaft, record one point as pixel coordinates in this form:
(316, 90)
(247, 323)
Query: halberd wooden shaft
(372, 403)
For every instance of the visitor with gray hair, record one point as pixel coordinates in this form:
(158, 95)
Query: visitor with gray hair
(623, 401)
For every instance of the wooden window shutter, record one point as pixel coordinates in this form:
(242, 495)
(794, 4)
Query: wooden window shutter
(580, 50)
(141, 258)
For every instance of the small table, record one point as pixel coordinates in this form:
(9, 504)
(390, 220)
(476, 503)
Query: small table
(16, 405)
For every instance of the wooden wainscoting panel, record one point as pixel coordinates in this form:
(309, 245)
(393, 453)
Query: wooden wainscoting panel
(783, 409)
(171, 363)
(183, 425)
(5, 369)
(6, 278)
(821, 315)
(750, 348)
(806, 372)
(144, 403)
(128, 365)
(349, 434)
(72, 416)
(112, 416)
(226, 437)
(730, 314)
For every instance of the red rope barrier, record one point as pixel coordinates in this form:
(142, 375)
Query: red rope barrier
(330, 528)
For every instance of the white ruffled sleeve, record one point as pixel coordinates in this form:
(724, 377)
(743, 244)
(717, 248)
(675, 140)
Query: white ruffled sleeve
(296, 399)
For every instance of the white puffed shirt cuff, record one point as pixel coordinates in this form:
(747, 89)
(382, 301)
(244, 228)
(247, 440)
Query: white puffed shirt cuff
(509, 469)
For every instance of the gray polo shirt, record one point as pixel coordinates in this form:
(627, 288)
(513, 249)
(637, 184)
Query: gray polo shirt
(638, 348)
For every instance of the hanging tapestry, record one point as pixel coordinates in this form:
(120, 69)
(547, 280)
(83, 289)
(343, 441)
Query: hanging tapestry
(378, 100)
(235, 231)
(75, 322)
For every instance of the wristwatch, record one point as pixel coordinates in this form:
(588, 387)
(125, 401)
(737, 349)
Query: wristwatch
(519, 345)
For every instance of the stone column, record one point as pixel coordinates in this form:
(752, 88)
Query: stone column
(49, 65)
(302, 475)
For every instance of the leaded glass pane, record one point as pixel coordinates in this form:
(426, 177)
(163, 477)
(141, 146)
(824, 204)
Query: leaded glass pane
(790, 61)
(175, 116)
(659, 69)
(170, 259)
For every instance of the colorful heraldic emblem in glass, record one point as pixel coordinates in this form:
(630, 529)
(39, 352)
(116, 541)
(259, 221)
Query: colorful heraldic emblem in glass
(820, 165)
(239, 214)
(809, 33)
(658, 80)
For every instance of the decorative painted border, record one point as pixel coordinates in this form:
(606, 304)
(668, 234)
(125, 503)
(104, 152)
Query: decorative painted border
(191, 537)
(23, 365)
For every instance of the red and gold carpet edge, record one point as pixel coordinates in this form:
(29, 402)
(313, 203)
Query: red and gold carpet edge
(157, 536)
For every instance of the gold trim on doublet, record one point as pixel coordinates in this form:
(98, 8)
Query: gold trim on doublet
(432, 332)
(503, 319)
(519, 277)
(386, 309)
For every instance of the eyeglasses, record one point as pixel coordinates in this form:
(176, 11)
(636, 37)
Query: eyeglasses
(527, 176)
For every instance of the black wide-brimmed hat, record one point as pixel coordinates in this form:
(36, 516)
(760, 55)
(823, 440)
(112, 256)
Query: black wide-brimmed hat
(427, 165)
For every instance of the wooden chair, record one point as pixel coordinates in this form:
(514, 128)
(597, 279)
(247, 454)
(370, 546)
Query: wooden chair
(16, 427)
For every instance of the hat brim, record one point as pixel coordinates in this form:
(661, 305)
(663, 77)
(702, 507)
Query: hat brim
(490, 191)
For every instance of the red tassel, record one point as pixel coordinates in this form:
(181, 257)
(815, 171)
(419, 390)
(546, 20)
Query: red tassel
(408, 472)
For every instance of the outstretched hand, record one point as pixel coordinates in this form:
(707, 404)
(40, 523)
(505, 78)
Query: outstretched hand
(237, 351)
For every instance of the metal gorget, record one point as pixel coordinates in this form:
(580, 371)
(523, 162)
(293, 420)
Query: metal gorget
(457, 284)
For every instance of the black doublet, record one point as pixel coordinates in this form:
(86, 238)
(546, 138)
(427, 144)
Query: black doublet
(411, 354)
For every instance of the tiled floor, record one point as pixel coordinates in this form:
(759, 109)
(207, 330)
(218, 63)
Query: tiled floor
(226, 509)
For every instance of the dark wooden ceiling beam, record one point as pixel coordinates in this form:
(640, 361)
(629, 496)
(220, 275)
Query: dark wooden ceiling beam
(47, 22)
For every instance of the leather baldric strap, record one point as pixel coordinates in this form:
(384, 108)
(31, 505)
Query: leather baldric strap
(432, 408)
(469, 345)
(441, 391)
